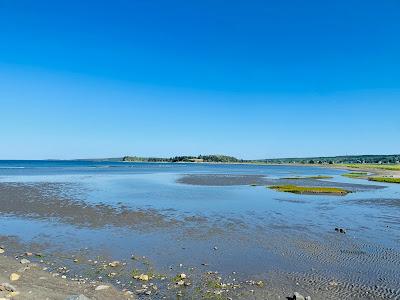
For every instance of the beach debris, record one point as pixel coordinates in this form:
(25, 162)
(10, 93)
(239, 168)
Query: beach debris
(102, 287)
(341, 230)
(215, 248)
(14, 276)
(77, 297)
(2, 250)
(182, 276)
(28, 253)
(25, 261)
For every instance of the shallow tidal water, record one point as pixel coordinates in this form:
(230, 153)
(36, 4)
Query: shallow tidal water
(116, 210)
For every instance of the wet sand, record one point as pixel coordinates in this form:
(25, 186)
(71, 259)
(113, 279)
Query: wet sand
(229, 180)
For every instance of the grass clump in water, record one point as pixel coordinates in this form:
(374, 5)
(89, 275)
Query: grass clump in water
(308, 190)
(385, 179)
(355, 174)
(320, 177)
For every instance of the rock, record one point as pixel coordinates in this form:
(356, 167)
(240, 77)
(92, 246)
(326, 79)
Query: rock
(141, 291)
(114, 263)
(333, 283)
(260, 283)
(2, 251)
(25, 261)
(144, 277)
(77, 297)
(298, 296)
(28, 253)
(7, 287)
(341, 230)
(308, 298)
(102, 287)
(180, 282)
(14, 276)
(182, 276)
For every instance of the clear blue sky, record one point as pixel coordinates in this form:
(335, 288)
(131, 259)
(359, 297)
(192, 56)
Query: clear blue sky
(254, 79)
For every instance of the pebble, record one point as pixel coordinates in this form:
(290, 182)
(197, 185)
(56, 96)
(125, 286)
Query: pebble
(14, 276)
(114, 263)
(102, 287)
(25, 261)
(141, 291)
(144, 277)
(341, 230)
(298, 296)
(333, 283)
(77, 297)
(180, 282)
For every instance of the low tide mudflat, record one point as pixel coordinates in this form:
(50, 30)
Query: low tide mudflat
(139, 227)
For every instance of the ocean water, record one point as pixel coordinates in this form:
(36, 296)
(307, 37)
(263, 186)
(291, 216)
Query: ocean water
(92, 205)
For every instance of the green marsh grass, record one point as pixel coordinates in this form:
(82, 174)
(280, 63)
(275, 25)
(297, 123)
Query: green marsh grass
(355, 174)
(309, 190)
(385, 179)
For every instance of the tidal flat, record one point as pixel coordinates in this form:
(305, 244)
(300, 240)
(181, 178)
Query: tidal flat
(137, 227)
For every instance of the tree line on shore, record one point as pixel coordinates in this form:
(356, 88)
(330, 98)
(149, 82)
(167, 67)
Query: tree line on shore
(350, 159)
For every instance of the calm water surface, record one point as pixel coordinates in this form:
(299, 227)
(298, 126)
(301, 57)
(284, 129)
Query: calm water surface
(248, 224)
